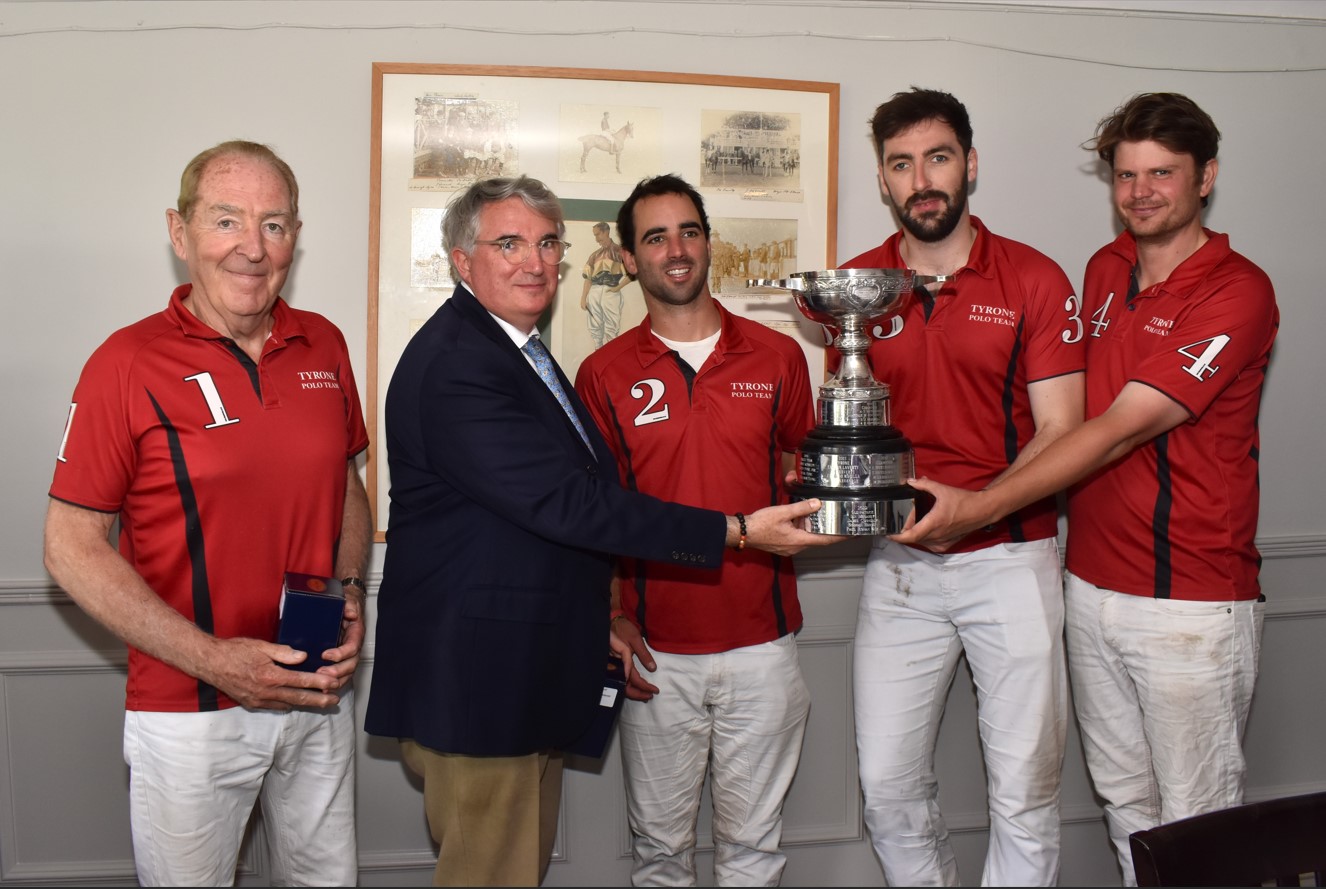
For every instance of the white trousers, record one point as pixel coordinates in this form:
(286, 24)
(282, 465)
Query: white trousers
(194, 777)
(605, 313)
(1162, 689)
(1003, 607)
(739, 715)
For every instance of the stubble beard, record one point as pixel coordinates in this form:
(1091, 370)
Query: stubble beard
(666, 291)
(672, 297)
(1159, 231)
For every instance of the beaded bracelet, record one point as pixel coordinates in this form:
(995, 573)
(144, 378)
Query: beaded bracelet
(741, 524)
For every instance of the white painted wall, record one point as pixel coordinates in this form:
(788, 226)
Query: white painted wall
(101, 104)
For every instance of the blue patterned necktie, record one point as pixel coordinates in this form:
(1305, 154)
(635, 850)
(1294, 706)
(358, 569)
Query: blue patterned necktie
(543, 363)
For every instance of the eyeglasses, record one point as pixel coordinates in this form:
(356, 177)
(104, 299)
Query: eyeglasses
(516, 250)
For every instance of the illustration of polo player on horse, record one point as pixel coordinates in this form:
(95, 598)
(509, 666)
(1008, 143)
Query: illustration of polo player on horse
(613, 144)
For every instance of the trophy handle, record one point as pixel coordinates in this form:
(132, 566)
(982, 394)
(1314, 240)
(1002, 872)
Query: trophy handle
(924, 280)
(795, 284)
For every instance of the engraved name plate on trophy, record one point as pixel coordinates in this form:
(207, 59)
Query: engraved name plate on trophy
(854, 461)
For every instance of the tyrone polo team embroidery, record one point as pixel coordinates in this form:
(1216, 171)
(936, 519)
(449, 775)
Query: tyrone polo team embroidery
(1159, 326)
(993, 315)
(318, 379)
(752, 390)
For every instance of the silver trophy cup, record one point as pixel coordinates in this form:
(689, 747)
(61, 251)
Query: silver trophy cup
(855, 462)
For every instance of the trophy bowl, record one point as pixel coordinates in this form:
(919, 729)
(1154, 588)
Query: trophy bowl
(854, 462)
(871, 294)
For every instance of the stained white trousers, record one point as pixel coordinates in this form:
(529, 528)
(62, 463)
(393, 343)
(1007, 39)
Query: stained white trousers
(1003, 607)
(1162, 689)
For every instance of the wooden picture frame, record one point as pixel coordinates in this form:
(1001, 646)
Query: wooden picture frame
(762, 152)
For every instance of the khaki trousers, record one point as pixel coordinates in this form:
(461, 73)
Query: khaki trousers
(494, 818)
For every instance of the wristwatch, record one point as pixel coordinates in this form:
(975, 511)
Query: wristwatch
(353, 581)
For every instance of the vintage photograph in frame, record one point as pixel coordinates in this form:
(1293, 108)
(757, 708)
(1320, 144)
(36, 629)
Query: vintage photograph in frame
(590, 135)
(754, 153)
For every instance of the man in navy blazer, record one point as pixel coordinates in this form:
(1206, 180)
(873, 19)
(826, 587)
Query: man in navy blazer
(493, 613)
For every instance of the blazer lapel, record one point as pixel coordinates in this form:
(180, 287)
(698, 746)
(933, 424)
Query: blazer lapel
(469, 306)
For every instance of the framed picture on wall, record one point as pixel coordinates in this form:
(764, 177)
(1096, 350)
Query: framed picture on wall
(763, 153)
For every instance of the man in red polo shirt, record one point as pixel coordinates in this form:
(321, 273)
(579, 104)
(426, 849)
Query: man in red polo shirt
(1164, 610)
(984, 372)
(704, 407)
(222, 434)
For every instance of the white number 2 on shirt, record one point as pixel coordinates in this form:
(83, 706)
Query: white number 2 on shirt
(656, 392)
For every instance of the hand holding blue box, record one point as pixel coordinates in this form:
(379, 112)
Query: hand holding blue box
(311, 612)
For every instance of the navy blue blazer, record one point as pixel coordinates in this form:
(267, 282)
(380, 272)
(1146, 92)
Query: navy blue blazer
(492, 616)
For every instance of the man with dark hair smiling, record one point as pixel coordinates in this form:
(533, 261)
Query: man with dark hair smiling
(701, 406)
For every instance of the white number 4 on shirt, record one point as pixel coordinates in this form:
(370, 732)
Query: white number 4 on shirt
(1202, 366)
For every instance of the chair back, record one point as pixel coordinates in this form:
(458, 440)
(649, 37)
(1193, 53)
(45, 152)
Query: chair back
(1269, 843)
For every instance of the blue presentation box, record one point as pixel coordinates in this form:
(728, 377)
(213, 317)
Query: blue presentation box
(311, 611)
(595, 740)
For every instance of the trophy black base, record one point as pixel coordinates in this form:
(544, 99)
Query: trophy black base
(860, 514)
